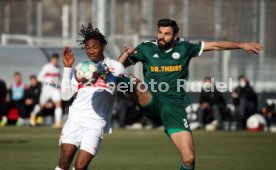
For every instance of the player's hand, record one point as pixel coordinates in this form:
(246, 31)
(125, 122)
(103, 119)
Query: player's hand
(68, 57)
(252, 47)
(129, 51)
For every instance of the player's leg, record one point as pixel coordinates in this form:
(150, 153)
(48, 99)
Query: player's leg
(174, 118)
(55, 96)
(89, 146)
(142, 95)
(43, 98)
(67, 152)
(70, 139)
(58, 114)
(83, 160)
(33, 114)
(183, 141)
(20, 106)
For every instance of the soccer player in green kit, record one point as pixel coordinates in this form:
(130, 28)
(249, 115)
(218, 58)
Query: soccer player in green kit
(166, 60)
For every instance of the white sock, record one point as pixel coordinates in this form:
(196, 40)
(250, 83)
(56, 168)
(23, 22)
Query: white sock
(58, 115)
(58, 168)
(36, 109)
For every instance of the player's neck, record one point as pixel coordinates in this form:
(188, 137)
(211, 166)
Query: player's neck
(168, 49)
(101, 58)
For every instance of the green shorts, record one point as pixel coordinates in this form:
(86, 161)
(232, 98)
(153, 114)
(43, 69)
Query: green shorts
(169, 112)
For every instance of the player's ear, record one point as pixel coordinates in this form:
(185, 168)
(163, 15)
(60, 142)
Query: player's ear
(175, 37)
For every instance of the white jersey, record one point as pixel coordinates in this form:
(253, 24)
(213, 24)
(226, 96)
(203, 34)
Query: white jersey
(49, 74)
(92, 106)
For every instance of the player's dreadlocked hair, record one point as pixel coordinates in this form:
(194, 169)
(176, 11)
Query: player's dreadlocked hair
(91, 33)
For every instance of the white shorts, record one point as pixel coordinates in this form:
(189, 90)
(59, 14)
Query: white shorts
(84, 138)
(49, 93)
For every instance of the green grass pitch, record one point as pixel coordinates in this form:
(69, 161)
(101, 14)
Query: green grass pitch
(37, 149)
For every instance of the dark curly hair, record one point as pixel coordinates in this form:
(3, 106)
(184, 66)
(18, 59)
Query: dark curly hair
(165, 22)
(91, 33)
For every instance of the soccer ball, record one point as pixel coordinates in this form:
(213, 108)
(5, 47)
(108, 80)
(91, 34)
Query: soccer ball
(256, 122)
(86, 73)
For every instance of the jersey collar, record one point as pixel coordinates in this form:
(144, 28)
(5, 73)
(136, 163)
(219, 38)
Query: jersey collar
(166, 51)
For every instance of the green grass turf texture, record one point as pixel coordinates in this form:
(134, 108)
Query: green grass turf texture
(37, 149)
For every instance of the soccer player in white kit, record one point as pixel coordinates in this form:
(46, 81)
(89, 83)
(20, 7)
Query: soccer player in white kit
(50, 77)
(91, 111)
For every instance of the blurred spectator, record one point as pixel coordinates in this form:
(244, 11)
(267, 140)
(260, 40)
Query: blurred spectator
(269, 112)
(245, 102)
(3, 101)
(45, 116)
(17, 92)
(212, 105)
(32, 96)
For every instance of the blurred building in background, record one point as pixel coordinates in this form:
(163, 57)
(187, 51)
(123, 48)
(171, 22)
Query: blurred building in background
(46, 25)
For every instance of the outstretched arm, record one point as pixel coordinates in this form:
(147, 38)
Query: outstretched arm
(68, 89)
(231, 45)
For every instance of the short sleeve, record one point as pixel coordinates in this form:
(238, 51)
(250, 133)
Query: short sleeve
(195, 48)
(119, 71)
(139, 56)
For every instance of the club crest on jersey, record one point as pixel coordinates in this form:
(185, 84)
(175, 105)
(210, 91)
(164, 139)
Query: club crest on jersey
(175, 55)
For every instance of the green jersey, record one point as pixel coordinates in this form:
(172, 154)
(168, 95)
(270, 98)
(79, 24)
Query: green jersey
(167, 67)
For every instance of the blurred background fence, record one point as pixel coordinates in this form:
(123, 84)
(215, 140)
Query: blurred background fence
(45, 24)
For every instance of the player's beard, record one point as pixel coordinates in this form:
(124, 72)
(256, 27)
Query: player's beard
(165, 45)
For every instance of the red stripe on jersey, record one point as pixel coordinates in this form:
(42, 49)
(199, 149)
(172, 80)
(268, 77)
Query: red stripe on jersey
(99, 83)
(51, 75)
(80, 86)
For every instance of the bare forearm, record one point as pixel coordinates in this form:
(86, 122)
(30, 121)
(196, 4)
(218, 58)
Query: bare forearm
(250, 47)
(123, 59)
(223, 45)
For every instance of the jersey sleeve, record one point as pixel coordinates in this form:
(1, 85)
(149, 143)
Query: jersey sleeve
(119, 71)
(139, 56)
(195, 48)
(41, 74)
(114, 75)
(68, 86)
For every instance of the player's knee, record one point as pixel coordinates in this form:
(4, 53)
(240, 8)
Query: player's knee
(144, 98)
(189, 160)
(80, 166)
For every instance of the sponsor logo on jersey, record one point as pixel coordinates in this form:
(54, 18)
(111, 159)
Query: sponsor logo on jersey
(155, 56)
(194, 42)
(175, 55)
(165, 69)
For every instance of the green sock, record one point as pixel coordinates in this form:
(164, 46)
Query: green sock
(183, 167)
